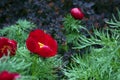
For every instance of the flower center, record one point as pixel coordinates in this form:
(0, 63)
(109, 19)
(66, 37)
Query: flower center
(41, 45)
(5, 48)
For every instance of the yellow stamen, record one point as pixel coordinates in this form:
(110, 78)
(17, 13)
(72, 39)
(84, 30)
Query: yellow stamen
(5, 47)
(41, 45)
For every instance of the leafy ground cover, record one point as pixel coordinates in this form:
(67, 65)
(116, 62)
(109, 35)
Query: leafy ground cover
(88, 49)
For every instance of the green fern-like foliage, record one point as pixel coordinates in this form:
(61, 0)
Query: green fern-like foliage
(71, 25)
(101, 59)
(115, 22)
(100, 38)
(99, 64)
(18, 31)
(72, 29)
(45, 69)
(16, 64)
(39, 68)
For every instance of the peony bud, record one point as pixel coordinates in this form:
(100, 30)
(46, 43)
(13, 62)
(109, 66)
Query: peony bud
(77, 13)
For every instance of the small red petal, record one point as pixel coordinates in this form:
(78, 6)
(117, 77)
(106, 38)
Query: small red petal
(46, 52)
(31, 44)
(38, 35)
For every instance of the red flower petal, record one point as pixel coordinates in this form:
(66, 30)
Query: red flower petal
(5, 75)
(41, 43)
(13, 45)
(3, 41)
(38, 35)
(46, 52)
(49, 41)
(31, 44)
(7, 45)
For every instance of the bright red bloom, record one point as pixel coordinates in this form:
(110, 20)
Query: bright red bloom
(5, 75)
(7, 45)
(77, 13)
(41, 43)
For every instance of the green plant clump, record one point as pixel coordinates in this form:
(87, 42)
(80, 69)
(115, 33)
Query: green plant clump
(71, 29)
(101, 60)
(28, 65)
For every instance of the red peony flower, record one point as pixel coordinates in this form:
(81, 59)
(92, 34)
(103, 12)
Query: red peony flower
(77, 13)
(7, 45)
(5, 75)
(41, 43)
